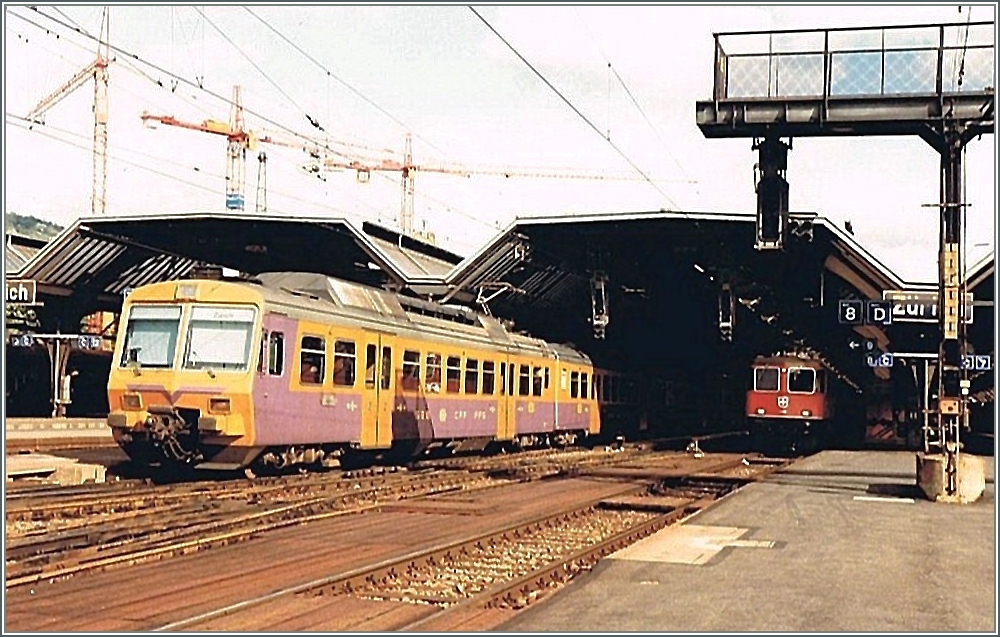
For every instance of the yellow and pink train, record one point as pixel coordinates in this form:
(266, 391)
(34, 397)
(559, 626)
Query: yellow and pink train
(301, 369)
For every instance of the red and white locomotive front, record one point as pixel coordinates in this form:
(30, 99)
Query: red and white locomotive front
(787, 387)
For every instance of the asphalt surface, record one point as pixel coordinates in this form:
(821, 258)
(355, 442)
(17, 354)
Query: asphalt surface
(841, 541)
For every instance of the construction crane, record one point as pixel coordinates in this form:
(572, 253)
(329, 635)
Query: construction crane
(98, 69)
(408, 170)
(239, 140)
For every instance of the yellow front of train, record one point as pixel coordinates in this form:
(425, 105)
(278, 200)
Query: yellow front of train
(181, 378)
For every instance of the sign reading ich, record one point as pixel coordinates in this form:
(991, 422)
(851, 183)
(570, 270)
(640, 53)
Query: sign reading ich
(21, 292)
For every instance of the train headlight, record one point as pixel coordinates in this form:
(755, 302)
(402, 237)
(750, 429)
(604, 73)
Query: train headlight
(219, 405)
(806, 413)
(131, 402)
(760, 410)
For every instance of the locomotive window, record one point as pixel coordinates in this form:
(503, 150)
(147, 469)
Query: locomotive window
(801, 380)
(524, 381)
(312, 359)
(219, 337)
(471, 376)
(386, 367)
(275, 353)
(489, 374)
(536, 382)
(411, 370)
(765, 379)
(433, 373)
(574, 385)
(370, 353)
(344, 363)
(454, 372)
(151, 335)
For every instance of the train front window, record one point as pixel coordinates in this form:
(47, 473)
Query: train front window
(151, 335)
(801, 380)
(765, 379)
(219, 338)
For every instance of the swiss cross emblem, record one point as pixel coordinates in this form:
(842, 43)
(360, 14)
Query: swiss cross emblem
(783, 402)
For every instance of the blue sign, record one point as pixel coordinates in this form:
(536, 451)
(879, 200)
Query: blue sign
(884, 360)
(850, 312)
(22, 340)
(983, 362)
(86, 341)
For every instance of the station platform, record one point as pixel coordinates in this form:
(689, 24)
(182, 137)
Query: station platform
(842, 541)
(34, 434)
(54, 469)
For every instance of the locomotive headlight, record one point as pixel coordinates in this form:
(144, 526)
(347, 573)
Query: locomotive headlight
(806, 413)
(760, 410)
(131, 402)
(218, 405)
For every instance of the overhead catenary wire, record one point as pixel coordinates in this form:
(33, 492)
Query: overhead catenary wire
(133, 56)
(53, 133)
(258, 68)
(574, 108)
(331, 75)
(612, 70)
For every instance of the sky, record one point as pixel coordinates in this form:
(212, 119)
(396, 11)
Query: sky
(616, 97)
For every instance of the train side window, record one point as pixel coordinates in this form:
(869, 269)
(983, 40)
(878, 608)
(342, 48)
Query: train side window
(454, 372)
(411, 370)
(801, 380)
(371, 352)
(312, 369)
(263, 351)
(386, 367)
(489, 375)
(584, 386)
(471, 376)
(510, 379)
(524, 380)
(433, 374)
(574, 385)
(563, 379)
(344, 363)
(537, 379)
(503, 379)
(547, 378)
(275, 353)
(765, 378)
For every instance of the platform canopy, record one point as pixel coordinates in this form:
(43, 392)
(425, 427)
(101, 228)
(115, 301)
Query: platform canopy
(94, 261)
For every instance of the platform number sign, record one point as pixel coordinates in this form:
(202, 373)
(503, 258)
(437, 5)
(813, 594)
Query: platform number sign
(977, 362)
(878, 313)
(87, 341)
(851, 312)
(22, 340)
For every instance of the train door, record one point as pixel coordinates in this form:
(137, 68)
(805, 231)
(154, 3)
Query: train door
(378, 393)
(509, 412)
(505, 419)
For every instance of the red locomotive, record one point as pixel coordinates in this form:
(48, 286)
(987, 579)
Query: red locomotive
(789, 404)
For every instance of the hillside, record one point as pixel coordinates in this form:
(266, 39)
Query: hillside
(31, 227)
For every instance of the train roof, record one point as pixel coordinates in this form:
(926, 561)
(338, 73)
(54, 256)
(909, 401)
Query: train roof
(302, 294)
(788, 360)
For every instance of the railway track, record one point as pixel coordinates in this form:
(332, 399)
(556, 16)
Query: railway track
(472, 582)
(58, 532)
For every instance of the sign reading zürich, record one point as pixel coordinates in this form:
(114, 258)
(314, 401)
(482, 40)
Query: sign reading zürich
(20, 292)
(919, 307)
